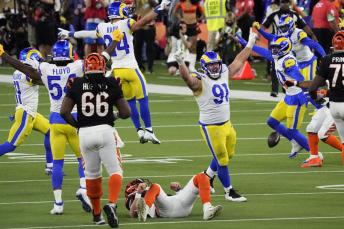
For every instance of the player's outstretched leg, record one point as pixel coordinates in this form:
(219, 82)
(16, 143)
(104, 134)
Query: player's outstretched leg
(56, 179)
(94, 192)
(135, 118)
(146, 117)
(6, 147)
(81, 193)
(299, 142)
(48, 154)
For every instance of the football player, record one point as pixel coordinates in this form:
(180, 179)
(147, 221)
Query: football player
(26, 117)
(95, 95)
(331, 69)
(212, 95)
(144, 198)
(55, 76)
(124, 64)
(293, 106)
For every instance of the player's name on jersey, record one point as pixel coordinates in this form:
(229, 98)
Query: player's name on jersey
(337, 59)
(111, 29)
(60, 71)
(87, 86)
(16, 76)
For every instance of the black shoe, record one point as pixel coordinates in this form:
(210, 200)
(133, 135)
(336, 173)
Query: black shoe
(98, 219)
(273, 94)
(111, 215)
(232, 195)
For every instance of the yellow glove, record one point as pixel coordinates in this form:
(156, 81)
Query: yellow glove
(117, 35)
(341, 24)
(256, 25)
(1, 50)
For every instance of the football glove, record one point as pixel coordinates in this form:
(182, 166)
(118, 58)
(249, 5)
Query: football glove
(117, 35)
(2, 51)
(179, 56)
(163, 5)
(256, 25)
(252, 39)
(64, 34)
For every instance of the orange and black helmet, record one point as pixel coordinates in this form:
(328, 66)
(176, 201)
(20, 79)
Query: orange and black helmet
(338, 41)
(94, 63)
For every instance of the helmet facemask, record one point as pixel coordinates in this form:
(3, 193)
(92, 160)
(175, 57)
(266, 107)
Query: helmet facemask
(213, 69)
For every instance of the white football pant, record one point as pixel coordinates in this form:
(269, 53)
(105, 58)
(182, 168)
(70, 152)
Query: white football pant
(321, 123)
(337, 112)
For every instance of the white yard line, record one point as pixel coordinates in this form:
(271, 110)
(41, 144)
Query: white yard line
(151, 222)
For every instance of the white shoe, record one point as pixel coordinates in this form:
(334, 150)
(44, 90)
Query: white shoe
(150, 136)
(232, 195)
(295, 150)
(142, 210)
(211, 211)
(57, 209)
(85, 201)
(141, 134)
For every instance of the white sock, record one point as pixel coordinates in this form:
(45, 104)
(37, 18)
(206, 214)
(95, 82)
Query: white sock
(149, 128)
(49, 165)
(83, 182)
(227, 189)
(211, 173)
(206, 205)
(58, 196)
(192, 62)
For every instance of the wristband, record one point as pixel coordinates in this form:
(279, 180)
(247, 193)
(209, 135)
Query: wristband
(157, 9)
(71, 34)
(106, 55)
(137, 195)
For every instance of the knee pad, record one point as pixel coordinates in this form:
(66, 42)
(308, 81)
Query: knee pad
(273, 123)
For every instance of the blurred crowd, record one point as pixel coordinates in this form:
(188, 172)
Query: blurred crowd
(35, 22)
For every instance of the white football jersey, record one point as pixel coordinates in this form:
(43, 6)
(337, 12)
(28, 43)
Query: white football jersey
(213, 101)
(123, 56)
(280, 66)
(55, 79)
(26, 93)
(302, 52)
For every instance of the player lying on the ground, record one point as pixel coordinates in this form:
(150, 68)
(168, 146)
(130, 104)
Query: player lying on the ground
(26, 117)
(144, 198)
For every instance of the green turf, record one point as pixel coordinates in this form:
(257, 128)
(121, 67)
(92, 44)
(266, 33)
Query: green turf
(280, 193)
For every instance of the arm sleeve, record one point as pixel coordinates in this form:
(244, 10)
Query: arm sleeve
(267, 35)
(71, 89)
(314, 45)
(292, 69)
(87, 34)
(268, 21)
(260, 50)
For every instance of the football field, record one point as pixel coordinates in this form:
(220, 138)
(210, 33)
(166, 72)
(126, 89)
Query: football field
(280, 193)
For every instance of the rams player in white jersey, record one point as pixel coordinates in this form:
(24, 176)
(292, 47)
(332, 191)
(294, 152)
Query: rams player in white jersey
(26, 117)
(293, 106)
(212, 95)
(124, 64)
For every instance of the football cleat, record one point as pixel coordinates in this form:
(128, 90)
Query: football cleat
(211, 211)
(312, 162)
(110, 211)
(141, 134)
(150, 136)
(98, 219)
(232, 195)
(142, 210)
(273, 139)
(57, 209)
(85, 201)
(296, 149)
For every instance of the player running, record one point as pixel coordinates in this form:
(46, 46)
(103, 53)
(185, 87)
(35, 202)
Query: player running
(55, 76)
(26, 117)
(212, 95)
(144, 198)
(95, 95)
(124, 64)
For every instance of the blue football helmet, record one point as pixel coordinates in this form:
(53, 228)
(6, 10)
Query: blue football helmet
(30, 53)
(118, 9)
(285, 25)
(211, 58)
(63, 50)
(280, 46)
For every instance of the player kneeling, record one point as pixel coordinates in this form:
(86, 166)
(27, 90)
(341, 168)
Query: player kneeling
(143, 199)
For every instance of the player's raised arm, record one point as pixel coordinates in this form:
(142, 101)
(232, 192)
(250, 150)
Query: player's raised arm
(240, 59)
(117, 36)
(24, 68)
(192, 82)
(150, 16)
(64, 34)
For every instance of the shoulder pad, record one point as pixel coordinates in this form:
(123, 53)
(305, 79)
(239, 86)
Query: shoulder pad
(301, 35)
(130, 22)
(197, 75)
(289, 62)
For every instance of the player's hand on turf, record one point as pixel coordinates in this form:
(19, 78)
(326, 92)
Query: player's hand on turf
(256, 25)
(2, 51)
(63, 34)
(175, 186)
(179, 56)
(117, 35)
